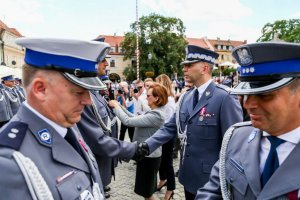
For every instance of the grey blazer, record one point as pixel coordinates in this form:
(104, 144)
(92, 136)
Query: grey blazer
(204, 133)
(54, 158)
(145, 124)
(243, 173)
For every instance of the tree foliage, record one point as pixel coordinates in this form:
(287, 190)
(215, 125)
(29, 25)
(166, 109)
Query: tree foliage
(286, 30)
(163, 38)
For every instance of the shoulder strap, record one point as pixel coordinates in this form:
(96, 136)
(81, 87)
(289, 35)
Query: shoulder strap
(223, 184)
(13, 135)
(36, 184)
(98, 117)
(180, 100)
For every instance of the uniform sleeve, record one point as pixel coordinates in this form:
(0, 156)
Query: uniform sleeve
(163, 135)
(231, 112)
(100, 143)
(12, 182)
(149, 119)
(211, 190)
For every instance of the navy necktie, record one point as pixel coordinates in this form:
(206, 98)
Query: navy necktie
(71, 138)
(196, 98)
(272, 162)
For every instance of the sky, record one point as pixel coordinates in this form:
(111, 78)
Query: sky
(86, 19)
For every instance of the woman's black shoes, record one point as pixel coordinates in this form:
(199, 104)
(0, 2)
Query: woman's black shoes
(159, 188)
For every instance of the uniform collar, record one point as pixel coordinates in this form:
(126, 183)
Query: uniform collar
(293, 136)
(203, 87)
(61, 130)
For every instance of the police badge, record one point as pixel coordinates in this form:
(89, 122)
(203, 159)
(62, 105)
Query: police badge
(244, 56)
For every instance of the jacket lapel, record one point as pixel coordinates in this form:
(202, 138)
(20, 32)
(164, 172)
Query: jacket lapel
(207, 94)
(66, 154)
(287, 174)
(250, 160)
(62, 151)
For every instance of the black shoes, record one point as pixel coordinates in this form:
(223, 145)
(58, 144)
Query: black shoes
(159, 188)
(107, 195)
(106, 188)
(106, 191)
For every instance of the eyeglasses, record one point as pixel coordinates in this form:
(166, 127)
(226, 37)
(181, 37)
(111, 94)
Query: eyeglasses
(148, 95)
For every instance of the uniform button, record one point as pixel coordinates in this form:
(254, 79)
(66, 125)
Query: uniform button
(79, 187)
(188, 144)
(187, 155)
(231, 179)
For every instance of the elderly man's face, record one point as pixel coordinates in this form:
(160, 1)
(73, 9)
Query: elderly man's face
(276, 112)
(65, 101)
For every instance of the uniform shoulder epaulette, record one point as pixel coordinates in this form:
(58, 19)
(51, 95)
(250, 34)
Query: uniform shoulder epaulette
(13, 134)
(224, 87)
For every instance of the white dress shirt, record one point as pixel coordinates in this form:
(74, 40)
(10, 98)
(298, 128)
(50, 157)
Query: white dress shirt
(292, 138)
(61, 130)
(203, 87)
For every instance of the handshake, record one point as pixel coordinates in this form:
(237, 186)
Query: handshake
(141, 151)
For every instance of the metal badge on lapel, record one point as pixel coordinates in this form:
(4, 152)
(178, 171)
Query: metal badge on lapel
(45, 136)
(207, 93)
(201, 118)
(251, 136)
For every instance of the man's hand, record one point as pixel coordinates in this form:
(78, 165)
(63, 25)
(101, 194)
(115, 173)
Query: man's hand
(142, 150)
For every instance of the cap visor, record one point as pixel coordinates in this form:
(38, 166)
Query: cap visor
(189, 62)
(245, 88)
(90, 83)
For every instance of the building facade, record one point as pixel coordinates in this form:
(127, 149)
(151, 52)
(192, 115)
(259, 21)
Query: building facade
(117, 64)
(11, 54)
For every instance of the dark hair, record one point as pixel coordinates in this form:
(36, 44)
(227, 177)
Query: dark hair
(160, 91)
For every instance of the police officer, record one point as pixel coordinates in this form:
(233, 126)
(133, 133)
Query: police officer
(100, 125)
(260, 160)
(19, 90)
(204, 114)
(42, 153)
(5, 110)
(11, 94)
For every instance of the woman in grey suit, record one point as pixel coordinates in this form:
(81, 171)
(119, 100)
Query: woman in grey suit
(145, 126)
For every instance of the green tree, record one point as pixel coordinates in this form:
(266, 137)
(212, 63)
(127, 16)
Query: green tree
(286, 30)
(161, 44)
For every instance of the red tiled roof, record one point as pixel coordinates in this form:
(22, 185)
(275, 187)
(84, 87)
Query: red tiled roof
(112, 40)
(117, 40)
(227, 42)
(197, 41)
(11, 30)
(3, 26)
(15, 32)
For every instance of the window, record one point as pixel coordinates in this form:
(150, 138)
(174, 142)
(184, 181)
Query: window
(112, 63)
(121, 50)
(112, 50)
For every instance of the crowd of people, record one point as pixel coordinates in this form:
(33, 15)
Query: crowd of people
(238, 140)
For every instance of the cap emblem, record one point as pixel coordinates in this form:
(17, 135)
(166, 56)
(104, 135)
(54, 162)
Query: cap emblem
(244, 56)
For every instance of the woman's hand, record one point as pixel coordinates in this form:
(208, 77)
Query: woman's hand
(113, 103)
